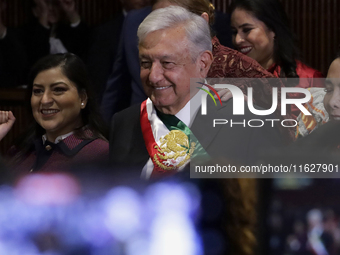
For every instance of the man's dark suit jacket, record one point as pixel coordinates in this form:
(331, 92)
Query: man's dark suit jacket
(241, 144)
(124, 87)
(102, 53)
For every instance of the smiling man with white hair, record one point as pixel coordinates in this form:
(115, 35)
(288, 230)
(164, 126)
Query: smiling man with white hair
(171, 51)
(164, 132)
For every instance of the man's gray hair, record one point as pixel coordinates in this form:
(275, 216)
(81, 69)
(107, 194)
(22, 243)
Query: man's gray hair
(196, 28)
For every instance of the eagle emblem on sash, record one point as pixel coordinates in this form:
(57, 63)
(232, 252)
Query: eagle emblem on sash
(174, 151)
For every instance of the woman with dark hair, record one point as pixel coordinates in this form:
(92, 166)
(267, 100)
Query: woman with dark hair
(261, 31)
(68, 127)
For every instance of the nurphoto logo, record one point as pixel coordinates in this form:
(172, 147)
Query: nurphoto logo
(238, 99)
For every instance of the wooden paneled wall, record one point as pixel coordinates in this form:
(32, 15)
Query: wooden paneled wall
(93, 11)
(315, 22)
(317, 26)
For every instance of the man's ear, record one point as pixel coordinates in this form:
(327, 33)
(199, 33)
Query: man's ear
(83, 99)
(205, 16)
(205, 61)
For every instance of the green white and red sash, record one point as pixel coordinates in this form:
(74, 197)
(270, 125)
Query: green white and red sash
(169, 142)
(166, 156)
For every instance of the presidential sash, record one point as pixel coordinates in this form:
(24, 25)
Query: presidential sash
(169, 142)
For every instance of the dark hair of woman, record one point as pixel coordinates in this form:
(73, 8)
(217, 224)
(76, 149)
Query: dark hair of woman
(272, 14)
(75, 70)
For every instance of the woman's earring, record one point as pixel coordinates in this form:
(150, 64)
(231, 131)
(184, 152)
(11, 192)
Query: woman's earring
(82, 104)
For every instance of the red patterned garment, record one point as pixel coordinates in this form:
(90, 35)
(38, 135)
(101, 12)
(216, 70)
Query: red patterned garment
(71, 151)
(229, 63)
(303, 71)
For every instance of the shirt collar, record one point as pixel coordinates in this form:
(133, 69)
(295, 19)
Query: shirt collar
(189, 111)
(58, 139)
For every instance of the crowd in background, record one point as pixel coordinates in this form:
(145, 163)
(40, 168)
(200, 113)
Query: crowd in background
(299, 226)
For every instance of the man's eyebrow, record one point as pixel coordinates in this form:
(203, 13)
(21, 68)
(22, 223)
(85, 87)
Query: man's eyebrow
(168, 57)
(163, 57)
(143, 56)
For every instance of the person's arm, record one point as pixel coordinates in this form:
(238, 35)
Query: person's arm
(116, 96)
(7, 120)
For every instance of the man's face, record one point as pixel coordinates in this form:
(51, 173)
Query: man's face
(331, 100)
(166, 69)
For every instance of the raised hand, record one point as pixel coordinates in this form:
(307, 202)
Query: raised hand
(7, 120)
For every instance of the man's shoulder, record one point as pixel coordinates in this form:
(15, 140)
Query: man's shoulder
(128, 115)
(127, 146)
(133, 109)
(137, 16)
(133, 20)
